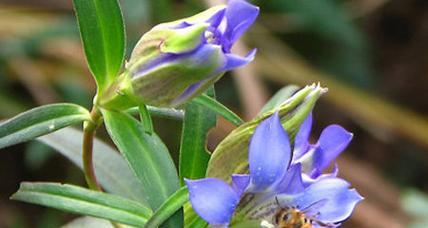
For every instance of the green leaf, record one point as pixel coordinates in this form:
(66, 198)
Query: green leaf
(218, 108)
(171, 205)
(280, 97)
(191, 219)
(194, 157)
(103, 36)
(231, 155)
(40, 121)
(111, 169)
(146, 155)
(80, 200)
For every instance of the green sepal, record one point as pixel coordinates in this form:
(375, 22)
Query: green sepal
(161, 40)
(231, 155)
(183, 40)
(162, 85)
(119, 95)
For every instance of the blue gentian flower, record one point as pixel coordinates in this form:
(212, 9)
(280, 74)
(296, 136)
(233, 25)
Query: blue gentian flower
(273, 192)
(175, 61)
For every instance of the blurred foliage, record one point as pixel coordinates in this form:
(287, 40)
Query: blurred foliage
(416, 204)
(323, 32)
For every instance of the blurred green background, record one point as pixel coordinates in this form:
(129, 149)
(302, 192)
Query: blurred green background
(371, 54)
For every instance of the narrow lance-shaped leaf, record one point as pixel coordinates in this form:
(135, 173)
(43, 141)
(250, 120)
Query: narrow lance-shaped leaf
(217, 107)
(82, 201)
(40, 121)
(147, 156)
(231, 155)
(198, 120)
(168, 208)
(111, 169)
(103, 36)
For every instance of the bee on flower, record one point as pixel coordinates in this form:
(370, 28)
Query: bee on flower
(285, 188)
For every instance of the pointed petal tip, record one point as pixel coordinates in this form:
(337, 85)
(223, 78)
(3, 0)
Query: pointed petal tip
(234, 61)
(333, 141)
(269, 153)
(357, 195)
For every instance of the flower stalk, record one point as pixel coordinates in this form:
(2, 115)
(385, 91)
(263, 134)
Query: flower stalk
(87, 149)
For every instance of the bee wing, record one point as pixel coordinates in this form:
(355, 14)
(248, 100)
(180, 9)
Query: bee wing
(313, 209)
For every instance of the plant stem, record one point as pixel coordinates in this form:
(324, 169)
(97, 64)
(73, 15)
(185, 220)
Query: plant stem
(88, 140)
(89, 129)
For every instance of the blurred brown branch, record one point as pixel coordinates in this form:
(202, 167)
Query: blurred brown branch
(19, 21)
(381, 207)
(361, 8)
(32, 77)
(377, 115)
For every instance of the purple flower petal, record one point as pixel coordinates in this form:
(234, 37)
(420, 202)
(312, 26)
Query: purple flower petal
(234, 61)
(269, 154)
(301, 142)
(240, 182)
(216, 19)
(240, 16)
(310, 179)
(292, 182)
(333, 140)
(213, 200)
(338, 200)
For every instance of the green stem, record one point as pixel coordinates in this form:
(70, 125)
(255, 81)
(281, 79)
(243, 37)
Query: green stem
(218, 108)
(87, 153)
(167, 113)
(88, 141)
(168, 208)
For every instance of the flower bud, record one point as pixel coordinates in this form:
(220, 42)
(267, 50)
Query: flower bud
(176, 61)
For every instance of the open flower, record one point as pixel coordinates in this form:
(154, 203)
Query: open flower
(273, 192)
(176, 61)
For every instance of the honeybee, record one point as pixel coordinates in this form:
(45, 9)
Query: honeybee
(292, 217)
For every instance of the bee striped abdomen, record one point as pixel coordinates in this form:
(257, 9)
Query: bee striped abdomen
(291, 218)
